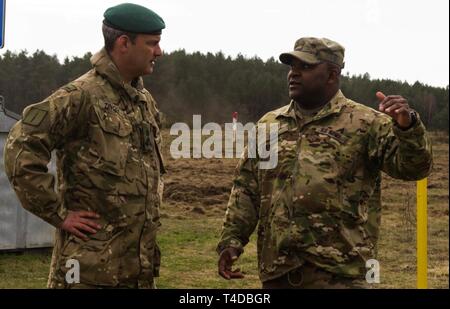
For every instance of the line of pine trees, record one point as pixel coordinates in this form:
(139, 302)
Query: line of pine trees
(212, 85)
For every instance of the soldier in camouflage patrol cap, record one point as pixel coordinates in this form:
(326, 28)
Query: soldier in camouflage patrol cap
(105, 129)
(318, 211)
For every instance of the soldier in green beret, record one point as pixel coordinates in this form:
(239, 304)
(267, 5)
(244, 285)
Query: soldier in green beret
(318, 211)
(105, 129)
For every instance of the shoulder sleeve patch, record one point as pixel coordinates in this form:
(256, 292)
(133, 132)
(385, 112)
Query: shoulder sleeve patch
(34, 116)
(69, 87)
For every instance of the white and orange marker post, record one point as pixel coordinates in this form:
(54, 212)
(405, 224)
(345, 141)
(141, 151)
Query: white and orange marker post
(421, 229)
(235, 117)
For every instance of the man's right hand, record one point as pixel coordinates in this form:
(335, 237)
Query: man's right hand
(78, 222)
(226, 259)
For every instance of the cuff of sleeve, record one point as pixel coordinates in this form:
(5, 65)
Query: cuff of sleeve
(57, 218)
(416, 129)
(231, 243)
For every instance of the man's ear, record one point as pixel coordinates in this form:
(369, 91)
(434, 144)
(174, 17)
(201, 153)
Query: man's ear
(122, 43)
(333, 74)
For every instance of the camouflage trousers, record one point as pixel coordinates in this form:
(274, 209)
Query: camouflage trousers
(309, 276)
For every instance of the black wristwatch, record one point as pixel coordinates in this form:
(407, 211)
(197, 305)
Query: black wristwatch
(413, 115)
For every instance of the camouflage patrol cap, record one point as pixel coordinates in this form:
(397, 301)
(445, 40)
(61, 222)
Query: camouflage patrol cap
(314, 51)
(133, 18)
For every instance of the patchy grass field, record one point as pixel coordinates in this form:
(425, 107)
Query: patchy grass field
(195, 198)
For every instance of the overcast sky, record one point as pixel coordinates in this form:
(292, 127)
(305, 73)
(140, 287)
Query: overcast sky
(405, 40)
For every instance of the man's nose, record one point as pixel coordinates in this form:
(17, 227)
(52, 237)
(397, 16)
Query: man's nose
(293, 73)
(158, 51)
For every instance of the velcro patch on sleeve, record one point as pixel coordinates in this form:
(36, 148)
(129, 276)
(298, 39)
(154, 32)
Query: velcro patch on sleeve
(69, 87)
(34, 116)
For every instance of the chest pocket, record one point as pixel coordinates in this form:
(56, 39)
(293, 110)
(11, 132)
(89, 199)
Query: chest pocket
(324, 151)
(274, 182)
(287, 152)
(318, 186)
(110, 138)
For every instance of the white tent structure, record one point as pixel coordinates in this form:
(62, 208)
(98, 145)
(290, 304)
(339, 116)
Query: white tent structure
(19, 229)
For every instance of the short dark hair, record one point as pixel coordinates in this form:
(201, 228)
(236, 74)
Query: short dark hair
(110, 35)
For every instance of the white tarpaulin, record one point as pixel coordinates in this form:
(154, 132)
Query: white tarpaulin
(19, 229)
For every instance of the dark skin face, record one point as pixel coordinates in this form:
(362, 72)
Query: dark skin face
(312, 86)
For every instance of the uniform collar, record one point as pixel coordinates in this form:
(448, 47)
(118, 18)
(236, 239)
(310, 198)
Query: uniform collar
(104, 66)
(332, 107)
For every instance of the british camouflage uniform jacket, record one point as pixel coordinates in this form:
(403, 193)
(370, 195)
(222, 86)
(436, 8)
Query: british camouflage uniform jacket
(106, 135)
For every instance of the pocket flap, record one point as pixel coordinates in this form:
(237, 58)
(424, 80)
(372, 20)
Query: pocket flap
(112, 121)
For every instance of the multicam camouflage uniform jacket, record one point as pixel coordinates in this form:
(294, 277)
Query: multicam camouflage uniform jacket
(107, 141)
(321, 203)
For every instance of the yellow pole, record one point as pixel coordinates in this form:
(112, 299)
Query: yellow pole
(422, 262)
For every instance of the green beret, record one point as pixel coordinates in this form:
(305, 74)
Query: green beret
(133, 18)
(314, 51)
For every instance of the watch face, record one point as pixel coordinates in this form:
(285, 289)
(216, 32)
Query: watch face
(413, 118)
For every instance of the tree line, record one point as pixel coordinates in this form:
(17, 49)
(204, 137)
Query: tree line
(212, 85)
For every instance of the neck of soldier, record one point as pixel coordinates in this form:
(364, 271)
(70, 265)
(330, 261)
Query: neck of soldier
(122, 67)
(317, 101)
